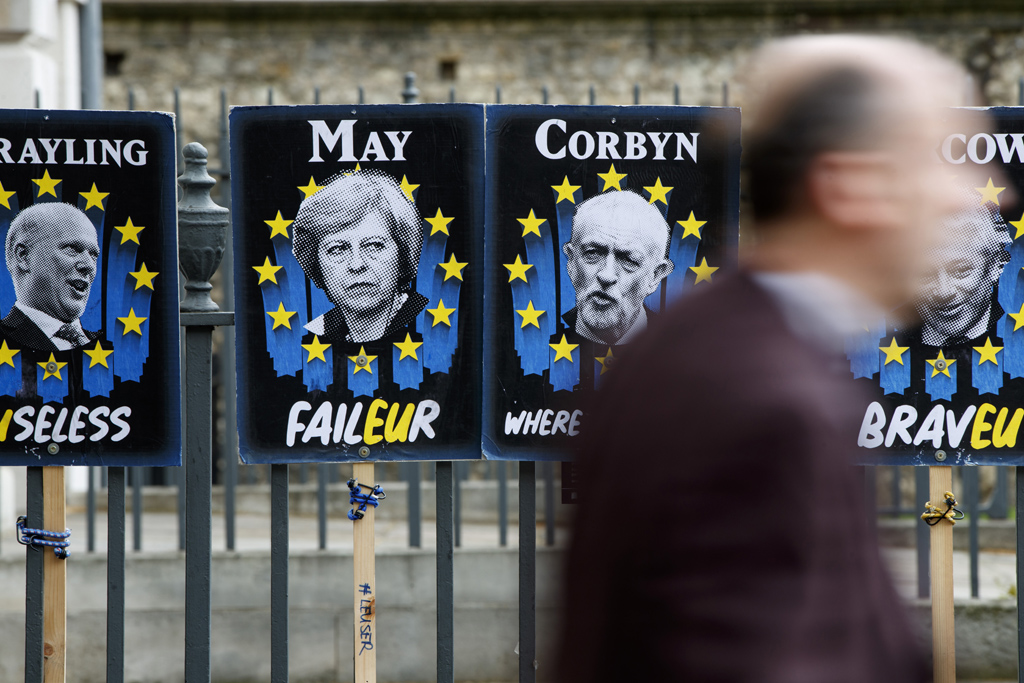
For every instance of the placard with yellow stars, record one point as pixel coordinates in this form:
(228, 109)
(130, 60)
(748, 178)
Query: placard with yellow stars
(89, 353)
(358, 281)
(599, 218)
(944, 374)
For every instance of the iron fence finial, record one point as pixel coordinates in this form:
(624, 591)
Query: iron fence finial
(202, 230)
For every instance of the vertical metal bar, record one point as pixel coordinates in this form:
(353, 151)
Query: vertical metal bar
(90, 32)
(412, 470)
(502, 503)
(497, 94)
(527, 572)
(1020, 555)
(923, 542)
(458, 501)
(270, 95)
(593, 95)
(321, 503)
(549, 503)
(136, 508)
(870, 493)
(279, 573)
(230, 450)
(90, 510)
(451, 94)
(115, 575)
(998, 507)
(181, 501)
(894, 492)
(675, 94)
(544, 95)
(445, 477)
(1020, 103)
(304, 473)
(34, 580)
(131, 99)
(362, 95)
(179, 129)
(969, 477)
(636, 93)
(725, 93)
(198, 478)
(316, 95)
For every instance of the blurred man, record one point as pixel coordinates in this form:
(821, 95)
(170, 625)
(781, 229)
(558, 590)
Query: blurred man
(51, 252)
(615, 258)
(741, 551)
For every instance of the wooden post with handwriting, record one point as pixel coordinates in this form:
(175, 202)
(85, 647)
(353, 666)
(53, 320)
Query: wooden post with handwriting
(365, 584)
(54, 579)
(940, 480)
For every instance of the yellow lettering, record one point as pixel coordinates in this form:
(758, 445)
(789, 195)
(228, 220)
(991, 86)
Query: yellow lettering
(400, 432)
(980, 426)
(5, 423)
(1006, 438)
(372, 421)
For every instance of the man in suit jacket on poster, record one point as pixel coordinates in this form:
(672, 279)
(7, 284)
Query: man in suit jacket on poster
(51, 252)
(742, 550)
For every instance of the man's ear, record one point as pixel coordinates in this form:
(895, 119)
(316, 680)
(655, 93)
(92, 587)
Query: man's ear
(21, 257)
(661, 271)
(852, 189)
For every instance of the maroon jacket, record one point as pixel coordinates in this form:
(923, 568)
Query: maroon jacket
(721, 533)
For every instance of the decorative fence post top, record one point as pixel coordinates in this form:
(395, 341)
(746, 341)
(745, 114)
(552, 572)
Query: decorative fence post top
(202, 230)
(410, 92)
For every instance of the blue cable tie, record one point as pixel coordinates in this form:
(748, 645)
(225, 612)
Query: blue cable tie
(37, 538)
(355, 497)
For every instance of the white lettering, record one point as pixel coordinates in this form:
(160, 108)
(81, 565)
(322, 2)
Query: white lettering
(426, 412)
(541, 139)
(294, 426)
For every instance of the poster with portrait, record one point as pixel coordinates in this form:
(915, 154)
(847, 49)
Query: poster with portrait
(598, 219)
(358, 247)
(945, 373)
(89, 369)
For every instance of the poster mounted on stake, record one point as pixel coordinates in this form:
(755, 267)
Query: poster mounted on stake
(358, 247)
(89, 371)
(598, 218)
(944, 374)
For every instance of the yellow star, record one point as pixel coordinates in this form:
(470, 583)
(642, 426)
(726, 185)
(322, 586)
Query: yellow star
(703, 271)
(989, 193)
(563, 349)
(517, 270)
(941, 365)
(606, 360)
(93, 198)
(988, 352)
(659, 192)
(368, 363)
(130, 232)
(408, 347)
(46, 371)
(441, 314)
(893, 352)
(98, 355)
(47, 185)
(316, 349)
(531, 224)
(132, 323)
(408, 188)
(281, 317)
(453, 268)
(691, 226)
(1017, 224)
(530, 316)
(565, 191)
(311, 189)
(1018, 318)
(278, 226)
(5, 196)
(355, 170)
(143, 277)
(7, 354)
(611, 179)
(439, 223)
(267, 271)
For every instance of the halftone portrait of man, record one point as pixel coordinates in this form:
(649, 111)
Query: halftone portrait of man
(51, 251)
(957, 304)
(616, 257)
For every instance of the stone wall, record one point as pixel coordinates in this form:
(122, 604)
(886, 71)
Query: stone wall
(566, 45)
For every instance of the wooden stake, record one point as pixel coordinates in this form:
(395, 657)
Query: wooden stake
(365, 584)
(54, 579)
(940, 480)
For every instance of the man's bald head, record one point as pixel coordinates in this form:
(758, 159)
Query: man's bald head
(815, 94)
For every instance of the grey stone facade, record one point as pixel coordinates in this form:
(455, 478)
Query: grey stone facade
(566, 45)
